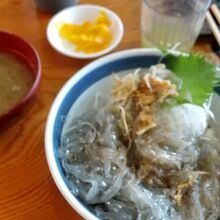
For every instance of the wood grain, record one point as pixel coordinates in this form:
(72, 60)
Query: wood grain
(27, 191)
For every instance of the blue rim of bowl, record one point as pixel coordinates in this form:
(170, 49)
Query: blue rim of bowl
(125, 60)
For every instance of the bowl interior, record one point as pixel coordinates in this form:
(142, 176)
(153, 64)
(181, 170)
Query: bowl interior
(28, 56)
(16, 45)
(79, 93)
(77, 15)
(80, 88)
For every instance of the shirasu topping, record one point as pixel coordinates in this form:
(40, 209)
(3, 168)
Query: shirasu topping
(138, 156)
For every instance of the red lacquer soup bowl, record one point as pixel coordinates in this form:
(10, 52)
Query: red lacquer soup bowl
(20, 74)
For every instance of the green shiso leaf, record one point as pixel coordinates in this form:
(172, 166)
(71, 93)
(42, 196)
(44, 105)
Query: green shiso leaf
(198, 77)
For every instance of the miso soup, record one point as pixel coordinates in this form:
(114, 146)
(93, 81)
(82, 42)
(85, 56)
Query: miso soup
(15, 80)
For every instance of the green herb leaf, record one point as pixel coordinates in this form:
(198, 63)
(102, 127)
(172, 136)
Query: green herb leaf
(197, 74)
(163, 50)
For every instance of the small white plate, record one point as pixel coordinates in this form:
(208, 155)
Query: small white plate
(77, 15)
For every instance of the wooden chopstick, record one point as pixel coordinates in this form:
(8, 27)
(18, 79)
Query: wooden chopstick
(215, 11)
(211, 21)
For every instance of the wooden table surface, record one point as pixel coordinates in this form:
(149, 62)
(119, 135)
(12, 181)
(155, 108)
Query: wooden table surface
(27, 191)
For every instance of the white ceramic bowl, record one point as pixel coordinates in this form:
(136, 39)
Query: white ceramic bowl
(76, 97)
(77, 15)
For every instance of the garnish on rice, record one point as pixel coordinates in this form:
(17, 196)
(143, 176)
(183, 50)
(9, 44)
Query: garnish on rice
(140, 94)
(197, 75)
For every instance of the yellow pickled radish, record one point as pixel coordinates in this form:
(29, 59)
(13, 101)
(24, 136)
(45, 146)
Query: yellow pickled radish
(88, 37)
(103, 19)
